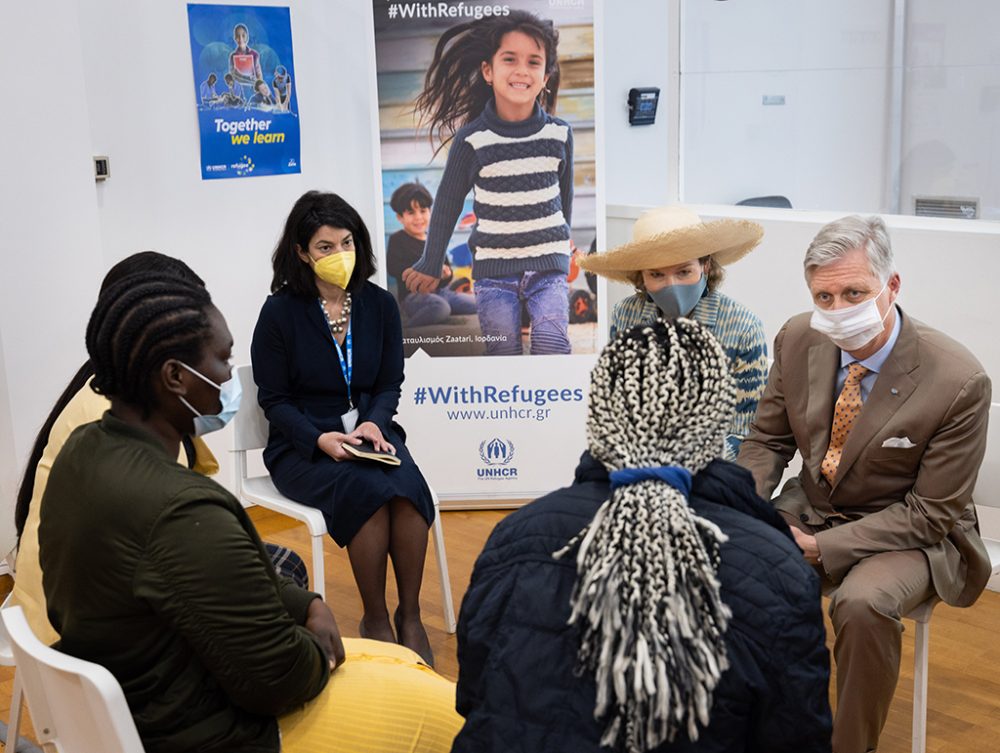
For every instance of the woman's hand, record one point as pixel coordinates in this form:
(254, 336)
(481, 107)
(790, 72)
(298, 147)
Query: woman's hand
(320, 622)
(332, 443)
(418, 282)
(369, 431)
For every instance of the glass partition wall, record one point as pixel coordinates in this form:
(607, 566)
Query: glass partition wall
(888, 106)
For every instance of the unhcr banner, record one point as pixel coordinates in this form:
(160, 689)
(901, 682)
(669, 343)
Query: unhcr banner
(490, 193)
(244, 83)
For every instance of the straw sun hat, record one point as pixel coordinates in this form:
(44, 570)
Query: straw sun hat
(666, 236)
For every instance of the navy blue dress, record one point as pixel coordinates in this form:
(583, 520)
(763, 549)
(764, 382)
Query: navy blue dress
(302, 389)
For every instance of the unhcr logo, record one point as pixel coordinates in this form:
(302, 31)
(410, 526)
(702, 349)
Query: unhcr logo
(496, 454)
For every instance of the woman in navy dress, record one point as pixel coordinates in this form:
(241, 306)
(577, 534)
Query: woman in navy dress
(327, 357)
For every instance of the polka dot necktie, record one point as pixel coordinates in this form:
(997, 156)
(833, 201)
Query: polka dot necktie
(845, 413)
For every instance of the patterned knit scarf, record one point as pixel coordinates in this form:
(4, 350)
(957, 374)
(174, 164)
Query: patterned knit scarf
(647, 599)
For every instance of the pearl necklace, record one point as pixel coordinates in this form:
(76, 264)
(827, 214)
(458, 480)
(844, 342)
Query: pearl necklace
(336, 325)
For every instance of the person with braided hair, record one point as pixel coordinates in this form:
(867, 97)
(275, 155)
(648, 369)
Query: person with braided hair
(657, 604)
(214, 651)
(78, 405)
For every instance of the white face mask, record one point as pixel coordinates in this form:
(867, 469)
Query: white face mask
(853, 327)
(230, 393)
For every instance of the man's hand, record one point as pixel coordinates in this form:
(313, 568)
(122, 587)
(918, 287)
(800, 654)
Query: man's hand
(370, 431)
(418, 282)
(332, 443)
(320, 622)
(808, 545)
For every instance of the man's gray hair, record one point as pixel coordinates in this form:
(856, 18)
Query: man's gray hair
(835, 239)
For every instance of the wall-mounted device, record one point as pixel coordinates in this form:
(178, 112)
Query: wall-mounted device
(642, 105)
(102, 168)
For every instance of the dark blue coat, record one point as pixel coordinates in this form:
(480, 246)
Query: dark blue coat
(302, 389)
(517, 688)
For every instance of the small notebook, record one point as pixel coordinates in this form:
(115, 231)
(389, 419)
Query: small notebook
(367, 451)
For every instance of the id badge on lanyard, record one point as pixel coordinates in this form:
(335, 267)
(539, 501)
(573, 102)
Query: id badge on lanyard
(346, 356)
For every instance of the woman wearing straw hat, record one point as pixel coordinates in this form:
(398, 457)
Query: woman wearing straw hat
(657, 603)
(675, 262)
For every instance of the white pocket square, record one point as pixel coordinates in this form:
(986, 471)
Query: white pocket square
(902, 443)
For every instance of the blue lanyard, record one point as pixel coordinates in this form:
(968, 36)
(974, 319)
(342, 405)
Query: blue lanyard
(346, 364)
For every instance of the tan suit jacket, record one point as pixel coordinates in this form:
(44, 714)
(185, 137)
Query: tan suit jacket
(930, 390)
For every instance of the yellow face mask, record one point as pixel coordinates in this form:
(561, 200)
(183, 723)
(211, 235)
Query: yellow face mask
(335, 269)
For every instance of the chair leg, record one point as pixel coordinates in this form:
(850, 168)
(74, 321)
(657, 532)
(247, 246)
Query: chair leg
(450, 625)
(14, 727)
(920, 651)
(318, 571)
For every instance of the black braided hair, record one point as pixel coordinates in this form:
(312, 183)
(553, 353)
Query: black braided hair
(138, 324)
(647, 599)
(151, 262)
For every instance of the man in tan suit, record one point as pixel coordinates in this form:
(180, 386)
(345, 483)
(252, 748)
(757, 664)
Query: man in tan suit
(889, 416)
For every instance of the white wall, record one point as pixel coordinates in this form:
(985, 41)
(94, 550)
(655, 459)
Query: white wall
(951, 133)
(635, 34)
(825, 146)
(832, 144)
(8, 455)
(50, 250)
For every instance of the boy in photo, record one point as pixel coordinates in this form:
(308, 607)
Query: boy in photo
(412, 204)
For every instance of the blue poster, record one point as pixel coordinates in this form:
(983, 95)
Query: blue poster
(244, 84)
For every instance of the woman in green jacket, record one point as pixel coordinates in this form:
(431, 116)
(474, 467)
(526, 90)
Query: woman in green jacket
(157, 573)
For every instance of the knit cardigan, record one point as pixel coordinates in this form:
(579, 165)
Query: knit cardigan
(739, 331)
(522, 176)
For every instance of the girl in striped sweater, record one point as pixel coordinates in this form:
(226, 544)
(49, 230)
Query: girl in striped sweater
(490, 90)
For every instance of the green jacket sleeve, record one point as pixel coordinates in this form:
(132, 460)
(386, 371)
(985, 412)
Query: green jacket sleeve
(204, 573)
(295, 599)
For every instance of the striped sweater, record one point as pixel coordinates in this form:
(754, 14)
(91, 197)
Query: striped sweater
(522, 177)
(741, 334)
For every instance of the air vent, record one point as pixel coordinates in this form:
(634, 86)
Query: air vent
(946, 206)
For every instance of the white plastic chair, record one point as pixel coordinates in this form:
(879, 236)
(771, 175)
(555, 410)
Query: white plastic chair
(921, 615)
(250, 433)
(987, 487)
(76, 706)
(7, 660)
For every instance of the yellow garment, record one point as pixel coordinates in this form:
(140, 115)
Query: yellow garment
(83, 408)
(382, 699)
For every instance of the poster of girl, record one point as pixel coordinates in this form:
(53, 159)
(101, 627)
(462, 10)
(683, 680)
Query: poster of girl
(487, 98)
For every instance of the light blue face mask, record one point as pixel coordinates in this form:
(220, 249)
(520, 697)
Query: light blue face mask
(230, 393)
(679, 300)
